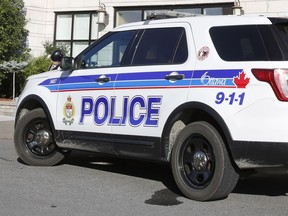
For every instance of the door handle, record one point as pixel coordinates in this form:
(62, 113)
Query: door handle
(103, 79)
(174, 76)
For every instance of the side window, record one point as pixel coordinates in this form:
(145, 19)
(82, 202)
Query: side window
(282, 29)
(239, 43)
(271, 44)
(159, 46)
(181, 53)
(108, 52)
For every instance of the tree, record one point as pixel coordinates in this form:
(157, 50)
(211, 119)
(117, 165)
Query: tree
(37, 65)
(41, 63)
(13, 46)
(12, 30)
(13, 68)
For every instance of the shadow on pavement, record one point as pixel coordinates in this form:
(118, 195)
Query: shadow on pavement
(263, 184)
(254, 184)
(137, 168)
(142, 169)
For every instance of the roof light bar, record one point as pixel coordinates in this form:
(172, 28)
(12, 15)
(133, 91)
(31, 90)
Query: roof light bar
(168, 14)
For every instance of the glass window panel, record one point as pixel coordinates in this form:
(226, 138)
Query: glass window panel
(123, 17)
(63, 27)
(65, 47)
(94, 27)
(109, 52)
(161, 49)
(78, 47)
(189, 10)
(213, 11)
(227, 10)
(181, 54)
(81, 26)
(239, 43)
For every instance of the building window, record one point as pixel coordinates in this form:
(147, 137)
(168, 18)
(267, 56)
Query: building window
(128, 16)
(133, 14)
(75, 30)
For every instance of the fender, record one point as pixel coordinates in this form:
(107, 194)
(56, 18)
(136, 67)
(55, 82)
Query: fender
(196, 111)
(31, 102)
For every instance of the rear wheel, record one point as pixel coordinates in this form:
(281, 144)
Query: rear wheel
(200, 163)
(34, 142)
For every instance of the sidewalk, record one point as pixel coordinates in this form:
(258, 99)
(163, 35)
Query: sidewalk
(6, 118)
(7, 109)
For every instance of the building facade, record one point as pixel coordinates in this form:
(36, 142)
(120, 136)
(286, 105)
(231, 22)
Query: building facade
(76, 24)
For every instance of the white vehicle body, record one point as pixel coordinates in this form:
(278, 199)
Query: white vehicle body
(138, 110)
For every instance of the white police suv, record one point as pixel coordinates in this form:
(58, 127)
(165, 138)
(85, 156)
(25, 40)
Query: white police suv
(207, 94)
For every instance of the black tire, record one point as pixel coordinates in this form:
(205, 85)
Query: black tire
(201, 165)
(34, 141)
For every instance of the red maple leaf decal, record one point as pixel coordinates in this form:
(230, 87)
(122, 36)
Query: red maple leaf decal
(240, 81)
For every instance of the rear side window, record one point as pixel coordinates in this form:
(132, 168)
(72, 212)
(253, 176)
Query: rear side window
(245, 43)
(283, 32)
(280, 30)
(161, 46)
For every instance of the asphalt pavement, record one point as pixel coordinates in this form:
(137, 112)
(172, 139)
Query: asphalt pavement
(92, 185)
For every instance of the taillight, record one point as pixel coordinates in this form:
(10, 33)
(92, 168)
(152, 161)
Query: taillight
(277, 78)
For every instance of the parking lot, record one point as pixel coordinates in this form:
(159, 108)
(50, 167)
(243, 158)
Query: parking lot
(89, 184)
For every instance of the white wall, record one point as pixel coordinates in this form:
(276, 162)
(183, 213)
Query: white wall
(38, 25)
(41, 16)
(41, 13)
(266, 7)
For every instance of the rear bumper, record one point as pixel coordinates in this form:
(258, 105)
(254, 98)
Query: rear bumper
(259, 154)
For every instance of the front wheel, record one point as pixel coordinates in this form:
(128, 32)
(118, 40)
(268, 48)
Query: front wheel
(201, 165)
(34, 142)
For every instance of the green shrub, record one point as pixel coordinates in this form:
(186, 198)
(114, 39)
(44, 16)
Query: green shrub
(37, 65)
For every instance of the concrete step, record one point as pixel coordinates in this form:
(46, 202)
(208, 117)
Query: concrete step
(7, 107)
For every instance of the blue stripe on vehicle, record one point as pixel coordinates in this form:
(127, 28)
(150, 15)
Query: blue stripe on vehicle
(152, 83)
(224, 73)
(150, 75)
(85, 79)
(209, 78)
(201, 78)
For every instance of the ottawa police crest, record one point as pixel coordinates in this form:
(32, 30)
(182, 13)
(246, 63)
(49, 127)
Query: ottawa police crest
(68, 111)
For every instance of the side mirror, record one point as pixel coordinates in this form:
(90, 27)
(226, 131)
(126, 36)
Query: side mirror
(67, 63)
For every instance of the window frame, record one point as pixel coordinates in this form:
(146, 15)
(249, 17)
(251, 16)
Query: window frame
(170, 7)
(130, 50)
(72, 40)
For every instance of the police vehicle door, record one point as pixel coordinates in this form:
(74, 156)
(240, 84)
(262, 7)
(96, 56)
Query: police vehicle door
(86, 101)
(155, 83)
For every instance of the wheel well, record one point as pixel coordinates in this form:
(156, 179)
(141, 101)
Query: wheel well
(192, 113)
(30, 103)
(25, 107)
